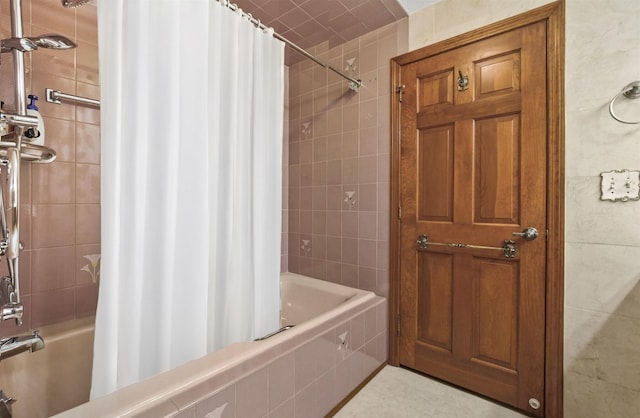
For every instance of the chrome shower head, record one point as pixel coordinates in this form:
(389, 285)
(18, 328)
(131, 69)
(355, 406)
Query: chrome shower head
(73, 3)
(53, 41)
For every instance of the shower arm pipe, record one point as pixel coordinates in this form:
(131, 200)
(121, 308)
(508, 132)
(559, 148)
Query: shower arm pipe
(54, 96)
(18, 59)
(354, 84)
(4, 228)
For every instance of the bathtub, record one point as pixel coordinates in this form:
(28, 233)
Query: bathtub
(338, 341)
(54, 379)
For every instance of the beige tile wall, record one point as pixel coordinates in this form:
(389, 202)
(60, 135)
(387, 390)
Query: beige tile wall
(602, 272)
(339, 146)
(60, 202)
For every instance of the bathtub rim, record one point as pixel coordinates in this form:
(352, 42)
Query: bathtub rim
(221, 367)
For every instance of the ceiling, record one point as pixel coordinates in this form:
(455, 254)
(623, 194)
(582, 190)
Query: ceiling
(310, 22)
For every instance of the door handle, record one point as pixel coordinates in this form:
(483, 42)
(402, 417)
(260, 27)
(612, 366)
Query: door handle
(529, 233)
(508, 248)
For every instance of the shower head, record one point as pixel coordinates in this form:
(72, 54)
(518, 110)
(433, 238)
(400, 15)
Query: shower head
(73, 3)
(53, 41)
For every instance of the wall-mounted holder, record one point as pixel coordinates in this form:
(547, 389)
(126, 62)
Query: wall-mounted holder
(620, 185)
(54, 96)
(630, 91)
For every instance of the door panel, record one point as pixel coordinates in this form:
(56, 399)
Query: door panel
(495, 314)
(497, 75)
(435, 300)
(472, 172)
(435, 167)
(435, 89)
(496, 170)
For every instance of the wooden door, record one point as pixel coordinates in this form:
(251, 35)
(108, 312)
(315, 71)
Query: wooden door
(472, 173)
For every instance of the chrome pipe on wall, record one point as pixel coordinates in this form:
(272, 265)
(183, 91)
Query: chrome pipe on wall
(17, 145)
(13, 155)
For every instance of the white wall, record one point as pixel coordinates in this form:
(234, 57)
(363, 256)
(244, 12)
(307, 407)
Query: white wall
(602, 276)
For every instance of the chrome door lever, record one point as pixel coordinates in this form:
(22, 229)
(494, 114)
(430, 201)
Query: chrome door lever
(529, 233)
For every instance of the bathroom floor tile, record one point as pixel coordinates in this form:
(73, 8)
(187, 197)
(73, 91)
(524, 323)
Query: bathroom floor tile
(400, 393)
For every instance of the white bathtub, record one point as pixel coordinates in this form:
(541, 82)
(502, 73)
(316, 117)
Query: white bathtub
(340, 338)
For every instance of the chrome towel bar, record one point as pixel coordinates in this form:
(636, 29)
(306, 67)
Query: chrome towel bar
(54, 96)
(509, 248)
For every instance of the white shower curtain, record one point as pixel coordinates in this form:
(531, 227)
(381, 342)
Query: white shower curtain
(192, 109)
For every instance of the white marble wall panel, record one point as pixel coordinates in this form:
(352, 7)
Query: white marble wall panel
(603, 347)
(586, 397)
(604, 278)
(449, 18)
(601, 58)
(591, 220)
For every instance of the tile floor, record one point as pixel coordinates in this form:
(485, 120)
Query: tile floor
(400, 393)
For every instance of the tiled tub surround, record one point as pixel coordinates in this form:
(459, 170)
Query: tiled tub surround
(302, 372)
(339, 162)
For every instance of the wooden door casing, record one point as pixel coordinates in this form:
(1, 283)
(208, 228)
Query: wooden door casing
(553, 14)
(473, 164)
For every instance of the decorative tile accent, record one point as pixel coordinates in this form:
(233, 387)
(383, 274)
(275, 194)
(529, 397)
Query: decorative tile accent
(93, 267)
(306, 129)
(306, 247)
(351, 65)
(350, 197)
(217, 413)
(343, 344)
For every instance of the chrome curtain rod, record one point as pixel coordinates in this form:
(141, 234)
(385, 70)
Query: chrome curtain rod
(354, 84)
(54, 96)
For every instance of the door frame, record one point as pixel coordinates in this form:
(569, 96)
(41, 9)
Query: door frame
(554, 16)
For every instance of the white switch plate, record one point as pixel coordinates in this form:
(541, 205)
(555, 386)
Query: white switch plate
(620, 185)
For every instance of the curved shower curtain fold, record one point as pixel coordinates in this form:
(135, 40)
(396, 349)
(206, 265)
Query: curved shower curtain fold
(186, 236)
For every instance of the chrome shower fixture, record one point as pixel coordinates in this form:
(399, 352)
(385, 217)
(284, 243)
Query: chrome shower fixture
(73, 3)
(53, 41)
(20, 44)
(28, 44)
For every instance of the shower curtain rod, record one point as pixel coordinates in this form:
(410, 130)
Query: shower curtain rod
(354, 84)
